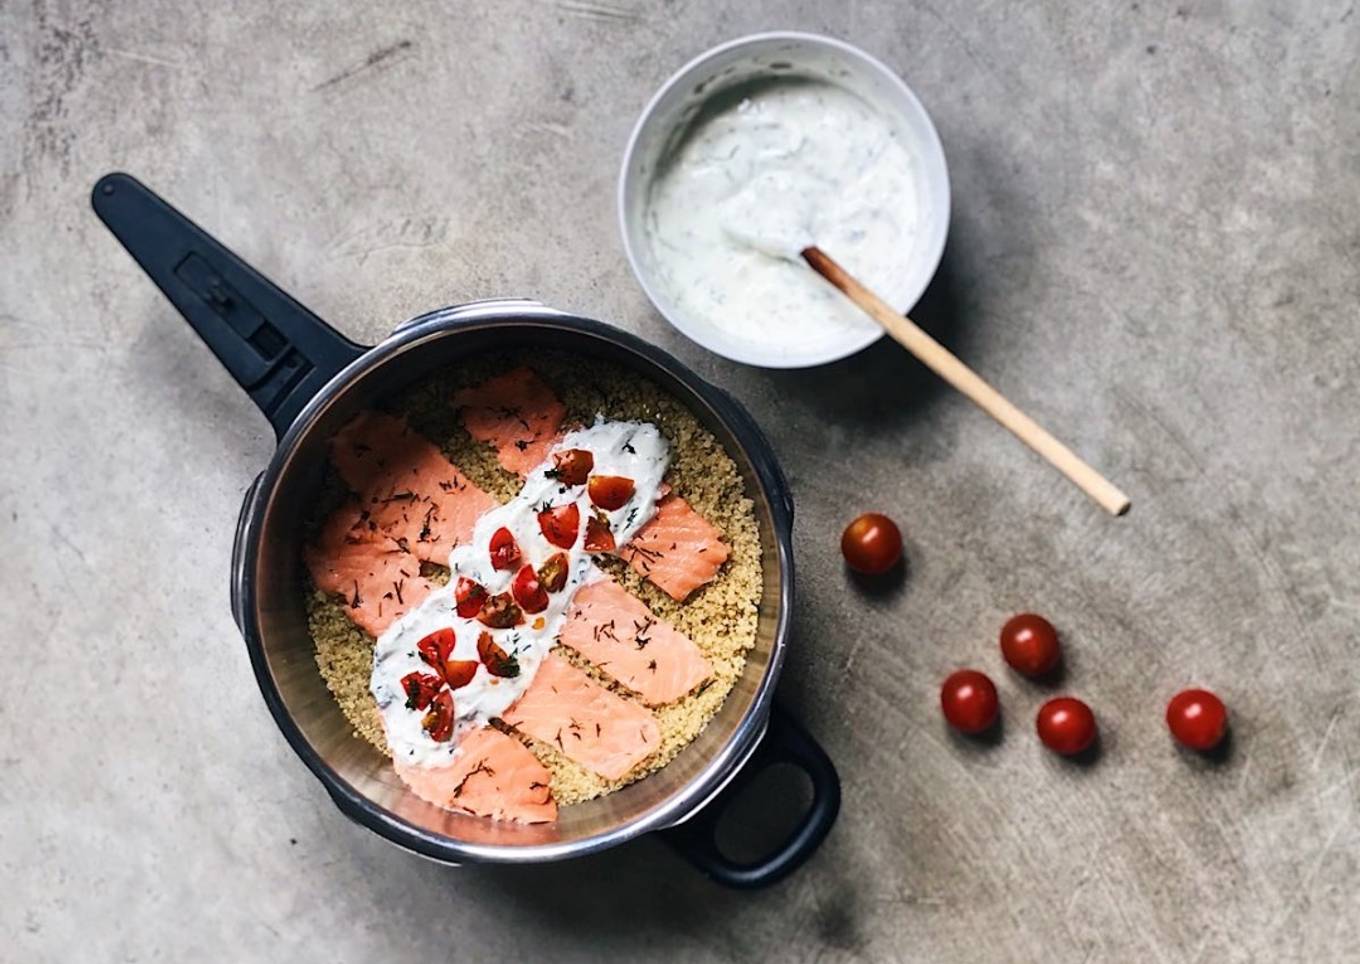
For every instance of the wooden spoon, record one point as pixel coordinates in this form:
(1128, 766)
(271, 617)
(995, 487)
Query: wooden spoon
(941, 361)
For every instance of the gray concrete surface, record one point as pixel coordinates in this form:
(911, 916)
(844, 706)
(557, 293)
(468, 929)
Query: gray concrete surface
(1155, 248)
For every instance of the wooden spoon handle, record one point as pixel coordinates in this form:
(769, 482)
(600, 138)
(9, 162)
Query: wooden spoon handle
(941, 361)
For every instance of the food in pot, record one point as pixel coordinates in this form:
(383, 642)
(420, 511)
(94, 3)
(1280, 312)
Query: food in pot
(969, 702)
(1197, 719)
(1066, 725)
(871, 544)
(604, 623)
(1029, 644)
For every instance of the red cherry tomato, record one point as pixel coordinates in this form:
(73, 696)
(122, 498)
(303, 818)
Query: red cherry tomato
(1198, 719)
(500, 612)
(969, 701)
(420, 689)
(1030, 645)
(504, 550)
(610, 491)
(439, 721)
(599, 537)
(561, 526)
(871, 544)
(469, 596)
(528, 591)
(1066, 725)
(459, 672)
(496, 660)
(572, 466)
(437, 647)
(553, 573)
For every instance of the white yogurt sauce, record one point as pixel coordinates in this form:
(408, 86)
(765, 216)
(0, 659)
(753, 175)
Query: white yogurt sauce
(634, 450)
(760, 177)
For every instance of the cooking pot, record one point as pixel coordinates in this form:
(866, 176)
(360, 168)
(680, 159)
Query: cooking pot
(309, 380)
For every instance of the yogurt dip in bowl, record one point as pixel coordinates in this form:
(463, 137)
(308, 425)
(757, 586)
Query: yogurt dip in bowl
(753, 151)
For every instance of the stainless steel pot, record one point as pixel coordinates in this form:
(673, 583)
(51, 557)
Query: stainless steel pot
(309, 380)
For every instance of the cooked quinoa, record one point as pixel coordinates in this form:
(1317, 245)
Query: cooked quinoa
(720, 618)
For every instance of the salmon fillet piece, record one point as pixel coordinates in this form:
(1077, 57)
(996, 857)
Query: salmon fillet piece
(379, 581)
(517, 413)
(598, 729)
(618, 633)
(493, 775)
(678, 550)
(414, 496)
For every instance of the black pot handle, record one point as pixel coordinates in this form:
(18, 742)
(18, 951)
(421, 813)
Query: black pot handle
(785, 742)
(278, 351)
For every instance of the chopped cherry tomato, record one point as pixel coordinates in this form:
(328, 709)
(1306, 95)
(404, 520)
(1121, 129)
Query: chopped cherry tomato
(1198, 719)
(496, 660)
(420, 688)
(610, 491)
(553, 573)
(504, 550)
(561, 526)
(599, 537)
(969, 701)
(528, 591)
(1030, 645)
(1066, 725)
(439, 721)
(437, 647)
(872, 544)
(572, 466)
(470, 597)
(459, 672)
(500, 612)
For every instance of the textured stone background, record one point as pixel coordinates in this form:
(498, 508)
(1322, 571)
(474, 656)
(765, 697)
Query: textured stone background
(1155, 246)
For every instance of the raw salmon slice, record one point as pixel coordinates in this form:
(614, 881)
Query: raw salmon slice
(678, 550)
(618, 633)
(598, 729)
(492, 775)
(379, 582)
(517, 413)
(414, 496)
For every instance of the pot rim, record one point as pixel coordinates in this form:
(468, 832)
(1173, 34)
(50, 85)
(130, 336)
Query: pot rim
(716, 772)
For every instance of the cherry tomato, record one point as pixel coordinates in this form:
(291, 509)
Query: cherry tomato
(610, 491)
(1066, 725)
(420, 689)
(1030, 645)
(496, 660)
(528, 591)
(504, 550)
(1198, 719)
(871, 544)
(572, 466)
(599, 537)
(439, 721)
(561, 526)
(437, 647)
(553, 573)
(969, 701)
(500, 612)
(469, 596)
(459, 672)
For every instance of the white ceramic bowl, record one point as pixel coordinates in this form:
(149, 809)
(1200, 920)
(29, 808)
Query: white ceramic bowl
(664, 123)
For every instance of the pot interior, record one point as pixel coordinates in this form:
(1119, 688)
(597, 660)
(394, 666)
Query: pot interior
(309, 714)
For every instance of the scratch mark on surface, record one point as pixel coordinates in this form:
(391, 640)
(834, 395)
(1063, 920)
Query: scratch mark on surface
(1326, 736)
(598, 11)
(379, 56)
(556, 128)
(65, 540)
(145, 58)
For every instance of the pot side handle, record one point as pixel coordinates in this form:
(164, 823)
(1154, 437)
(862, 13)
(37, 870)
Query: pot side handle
(276, 349)
(785, 742)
